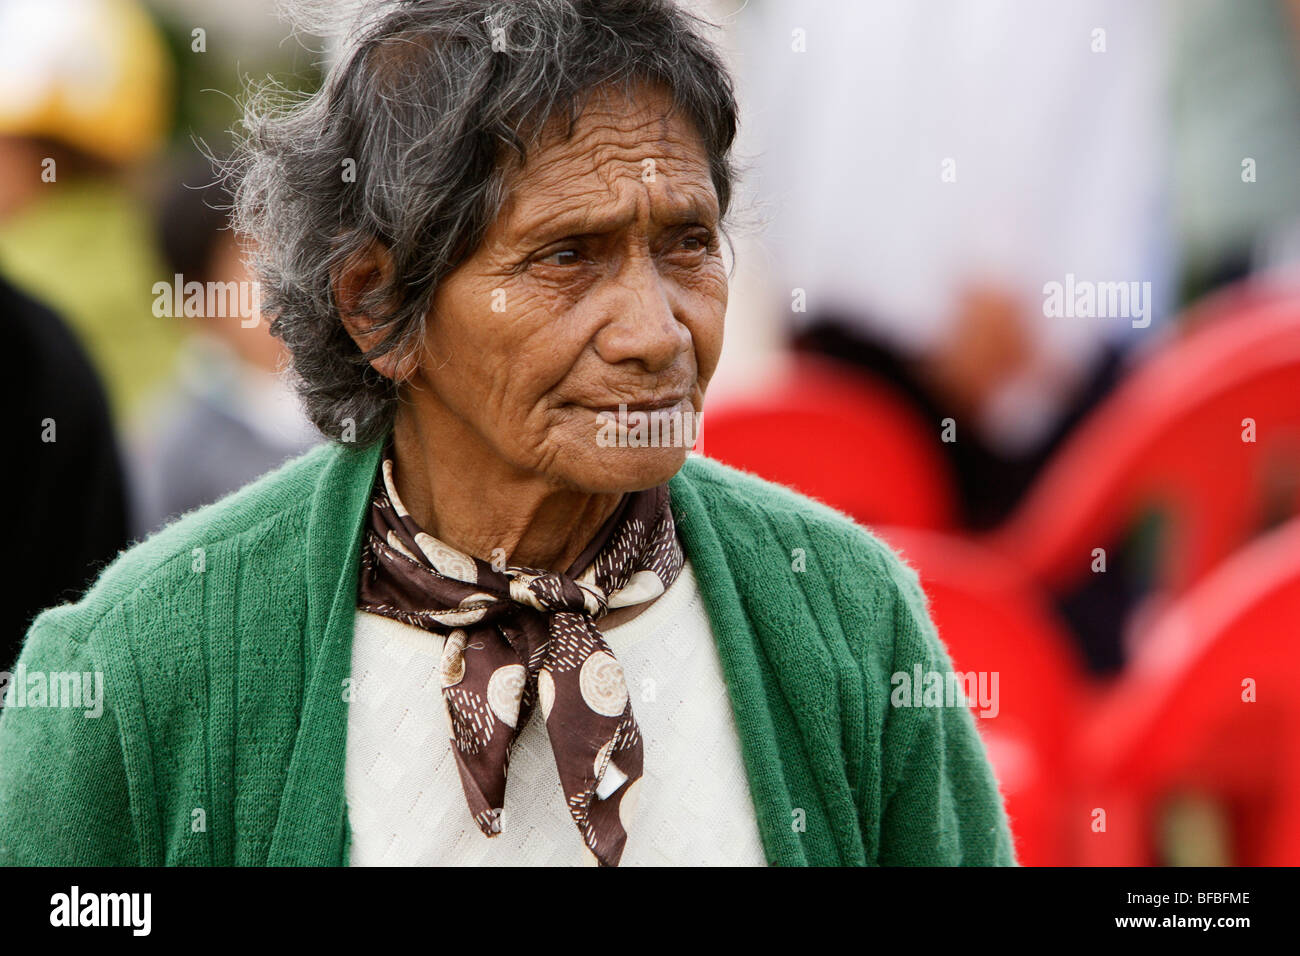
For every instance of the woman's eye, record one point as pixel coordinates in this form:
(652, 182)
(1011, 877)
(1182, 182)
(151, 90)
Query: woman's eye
(561, 257)
(697, 242)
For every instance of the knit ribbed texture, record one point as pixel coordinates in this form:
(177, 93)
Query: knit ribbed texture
(225, 644)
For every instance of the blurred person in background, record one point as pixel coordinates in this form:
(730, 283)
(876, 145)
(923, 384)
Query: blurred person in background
(83, 92)
(228, 415)
(73, 519)
(85, 102)
(930, 165)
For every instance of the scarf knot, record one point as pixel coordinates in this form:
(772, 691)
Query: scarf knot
(550, 593)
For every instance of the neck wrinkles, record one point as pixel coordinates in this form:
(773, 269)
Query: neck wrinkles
(486, 509)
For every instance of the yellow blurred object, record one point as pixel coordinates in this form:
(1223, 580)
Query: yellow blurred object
(93, 74)
(87, 250)
(1194, 831)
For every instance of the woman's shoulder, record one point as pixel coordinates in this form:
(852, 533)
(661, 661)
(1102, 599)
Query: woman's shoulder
(771, 510)
(770, 533)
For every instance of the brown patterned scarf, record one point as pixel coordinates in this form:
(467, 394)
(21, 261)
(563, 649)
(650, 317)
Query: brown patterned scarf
(515, 636)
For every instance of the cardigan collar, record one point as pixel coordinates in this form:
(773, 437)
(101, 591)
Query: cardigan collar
(312, 827)
(314, 785)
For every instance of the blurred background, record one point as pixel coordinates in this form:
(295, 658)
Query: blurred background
(1015, 284)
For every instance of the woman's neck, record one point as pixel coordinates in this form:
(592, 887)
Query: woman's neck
(467, 497)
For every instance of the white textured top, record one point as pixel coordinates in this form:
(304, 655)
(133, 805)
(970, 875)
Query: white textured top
(405, 802)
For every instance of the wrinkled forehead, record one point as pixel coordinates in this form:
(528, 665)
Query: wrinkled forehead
(633, 145)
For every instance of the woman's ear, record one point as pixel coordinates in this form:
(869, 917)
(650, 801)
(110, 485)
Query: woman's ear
(365, 271)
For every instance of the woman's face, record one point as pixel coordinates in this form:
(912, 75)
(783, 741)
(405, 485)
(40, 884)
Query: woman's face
(600, 284)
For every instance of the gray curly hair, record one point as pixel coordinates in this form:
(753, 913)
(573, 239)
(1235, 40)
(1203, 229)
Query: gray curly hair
(424, 108)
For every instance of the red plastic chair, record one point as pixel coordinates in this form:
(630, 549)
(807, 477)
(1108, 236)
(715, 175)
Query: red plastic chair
(838, 436)
(1171, 436)
(1177, 723)
(992, 620)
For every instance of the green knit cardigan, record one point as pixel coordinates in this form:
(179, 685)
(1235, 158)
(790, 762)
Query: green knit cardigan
(225, 647)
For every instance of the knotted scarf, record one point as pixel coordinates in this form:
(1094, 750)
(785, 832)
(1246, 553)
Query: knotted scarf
(517, 636)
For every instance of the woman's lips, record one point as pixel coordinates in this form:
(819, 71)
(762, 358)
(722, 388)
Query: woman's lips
(652, 405)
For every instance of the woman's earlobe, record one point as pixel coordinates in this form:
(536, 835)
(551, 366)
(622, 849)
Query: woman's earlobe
(398, 365)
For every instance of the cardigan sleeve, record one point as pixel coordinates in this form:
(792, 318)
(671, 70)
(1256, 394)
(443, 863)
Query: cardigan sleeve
(941, 802)
(63, 788)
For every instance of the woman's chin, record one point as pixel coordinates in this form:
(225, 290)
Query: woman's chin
(629, 469)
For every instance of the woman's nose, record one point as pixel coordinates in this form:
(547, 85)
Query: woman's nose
(642, 323)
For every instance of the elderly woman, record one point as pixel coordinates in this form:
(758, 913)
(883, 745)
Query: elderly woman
(490, 623)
